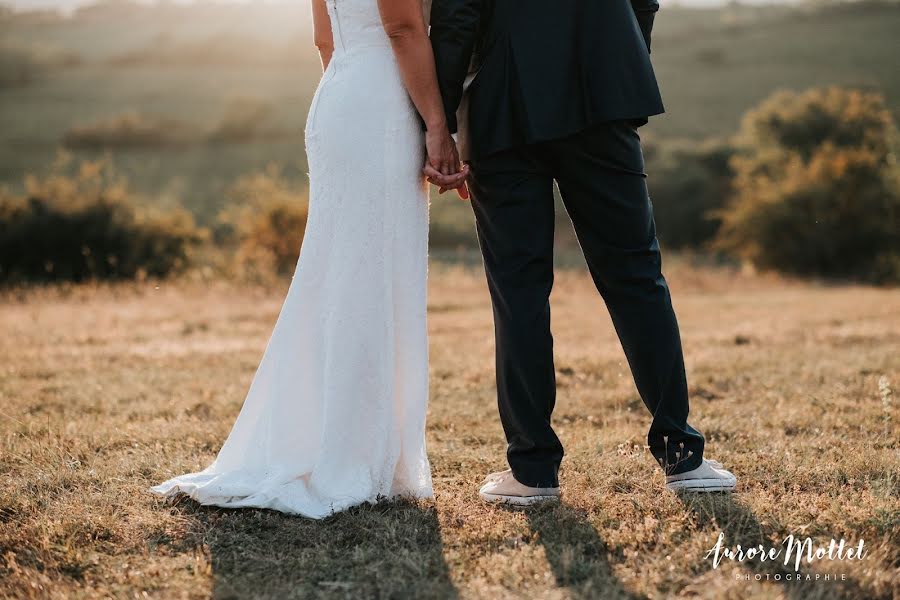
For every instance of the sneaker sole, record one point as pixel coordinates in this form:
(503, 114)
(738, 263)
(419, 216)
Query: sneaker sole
(517, 500)
(701, 485)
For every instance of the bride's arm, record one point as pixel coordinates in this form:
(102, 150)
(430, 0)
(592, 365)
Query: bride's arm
(322, 35)
(404, 22)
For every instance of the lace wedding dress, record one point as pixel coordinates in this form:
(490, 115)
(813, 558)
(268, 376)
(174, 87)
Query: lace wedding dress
(335, 415)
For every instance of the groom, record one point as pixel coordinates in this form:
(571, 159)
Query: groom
(560, 90)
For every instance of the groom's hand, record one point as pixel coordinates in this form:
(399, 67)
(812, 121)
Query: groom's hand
(456, 181)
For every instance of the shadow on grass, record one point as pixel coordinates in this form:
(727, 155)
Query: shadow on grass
(392, 549)
(577, 554)
(725, 513)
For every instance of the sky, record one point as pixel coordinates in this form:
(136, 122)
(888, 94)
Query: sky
(68, 5)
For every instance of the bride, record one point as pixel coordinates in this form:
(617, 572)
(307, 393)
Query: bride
(335, 415)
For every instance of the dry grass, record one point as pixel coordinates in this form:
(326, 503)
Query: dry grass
(107, 390)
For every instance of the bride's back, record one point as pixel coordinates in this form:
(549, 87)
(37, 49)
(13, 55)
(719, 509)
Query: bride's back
(358, 24)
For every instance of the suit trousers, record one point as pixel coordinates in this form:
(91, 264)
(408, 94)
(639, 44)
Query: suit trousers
(600, 174)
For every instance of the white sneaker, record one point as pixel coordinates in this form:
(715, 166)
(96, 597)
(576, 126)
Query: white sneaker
(710, 476)
(715, 464)
(503, 487)
(495, 476)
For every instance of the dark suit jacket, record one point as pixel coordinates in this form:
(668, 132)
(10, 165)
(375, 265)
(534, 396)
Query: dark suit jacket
(547, 68)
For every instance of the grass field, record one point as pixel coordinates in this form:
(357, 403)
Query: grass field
(189, 64)
(106, 390)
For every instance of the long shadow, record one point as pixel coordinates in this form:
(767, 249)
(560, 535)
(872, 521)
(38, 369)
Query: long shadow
(389, 550)
(578, 556)
(725, 513)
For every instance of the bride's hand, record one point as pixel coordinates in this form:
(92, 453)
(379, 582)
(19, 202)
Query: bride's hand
(442, 155)
(442, 165)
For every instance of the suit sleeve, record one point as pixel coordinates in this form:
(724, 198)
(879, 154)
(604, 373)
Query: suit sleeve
(645, 11)
(454, 30)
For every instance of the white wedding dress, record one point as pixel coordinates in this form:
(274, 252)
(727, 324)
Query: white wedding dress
(335, 415)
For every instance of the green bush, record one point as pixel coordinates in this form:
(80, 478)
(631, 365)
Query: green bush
(805, 122)
(816, 186)
(263, 224)
(75, 228)
(689, 184)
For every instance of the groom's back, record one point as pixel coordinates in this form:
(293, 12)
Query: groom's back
(550, 69)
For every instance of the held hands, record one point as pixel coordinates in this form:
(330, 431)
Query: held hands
(442, 166)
